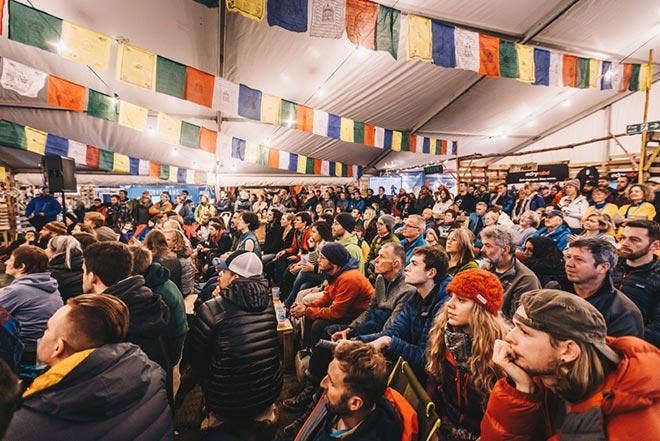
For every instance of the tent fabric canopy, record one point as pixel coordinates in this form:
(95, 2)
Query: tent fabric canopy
(485, 115)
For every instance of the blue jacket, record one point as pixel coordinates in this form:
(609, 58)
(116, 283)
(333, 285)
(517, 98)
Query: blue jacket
(410, 330)
(409, 247)
(46, 204)
(559, 236)
(536, 202)
(359, 204)
(472, 223)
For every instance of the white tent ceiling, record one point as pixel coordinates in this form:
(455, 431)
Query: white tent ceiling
(335, 76)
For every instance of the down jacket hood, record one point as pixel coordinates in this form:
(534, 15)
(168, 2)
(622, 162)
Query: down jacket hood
(249, 294)
(41, 281)
(156, 275)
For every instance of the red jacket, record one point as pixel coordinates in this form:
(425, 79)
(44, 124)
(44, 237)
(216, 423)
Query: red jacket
(629, 402)
(303, 245)
(343, 299)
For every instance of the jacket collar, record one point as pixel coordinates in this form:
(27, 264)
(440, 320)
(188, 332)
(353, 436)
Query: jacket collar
(56, 373)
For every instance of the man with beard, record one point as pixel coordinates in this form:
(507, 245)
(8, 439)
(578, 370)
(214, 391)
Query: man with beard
(464, 200)
(42, 209)
(355, 408)
(638, 272)
(564, 379)
(621, 194)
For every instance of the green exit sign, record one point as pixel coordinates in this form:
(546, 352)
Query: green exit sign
(635, 129)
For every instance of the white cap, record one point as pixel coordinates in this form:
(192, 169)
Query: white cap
(246, 265)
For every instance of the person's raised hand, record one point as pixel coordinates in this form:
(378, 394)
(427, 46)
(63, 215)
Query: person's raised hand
(504, 357)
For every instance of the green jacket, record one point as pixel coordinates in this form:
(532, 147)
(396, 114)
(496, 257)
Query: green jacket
(470, 264)
(355, 250)
(378, 242)
(157, 278)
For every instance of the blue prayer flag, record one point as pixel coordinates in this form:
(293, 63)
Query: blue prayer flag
(331, 168)
(293, 162)
(541, 67)
(606, 79)
(181, 175)
(454, 147)
(444, 51)
(56, 145)
(249, 102)
(288, 14)
(238, 148)
(387, 139)
(426, 145)
(334, 126)
(134, 166)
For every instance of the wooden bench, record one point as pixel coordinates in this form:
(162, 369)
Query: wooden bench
(285, 331)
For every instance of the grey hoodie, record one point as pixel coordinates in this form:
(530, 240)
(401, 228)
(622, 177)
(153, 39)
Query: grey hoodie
(32, 300)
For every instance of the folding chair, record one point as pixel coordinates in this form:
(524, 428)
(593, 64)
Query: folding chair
(403, 380)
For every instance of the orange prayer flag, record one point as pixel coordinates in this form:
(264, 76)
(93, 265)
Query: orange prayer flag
(273, 158)
(208, 140)
(489, 55)
(2, 8)
(569, 72)
(443, 146)
(369, 134)
(199, 86)
(361, 22)
(627, 75)
(317, 166)
(304, 118)
(349, 171)
(63, 93)
(154, 169)
(412, 143)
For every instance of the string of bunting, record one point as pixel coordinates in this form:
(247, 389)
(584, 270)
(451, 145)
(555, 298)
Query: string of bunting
(142, 68)
(62, 93)
(258, 154)
(22, 137)
(408, 36)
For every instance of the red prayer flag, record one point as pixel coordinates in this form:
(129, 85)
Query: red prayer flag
(627, 75)
(154, 169)
(569, 72)
(489, 55)
(304, 118)
(208, 140)
(2, 9)
(317, 166)
(63, 93)
(199, 86)
(92, 157)
(443, 146)
(273, 158)
(412, 143)
(361, 18)
(369, 134)
(349, 171)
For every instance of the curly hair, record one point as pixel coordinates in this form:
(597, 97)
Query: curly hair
(486, 328)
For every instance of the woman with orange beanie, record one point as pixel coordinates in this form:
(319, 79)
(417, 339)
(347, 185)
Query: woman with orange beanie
(460, 353)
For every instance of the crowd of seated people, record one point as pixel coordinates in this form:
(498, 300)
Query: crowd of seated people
(522, 312)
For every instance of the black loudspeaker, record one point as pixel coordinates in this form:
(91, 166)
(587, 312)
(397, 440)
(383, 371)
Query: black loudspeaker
(59, 173)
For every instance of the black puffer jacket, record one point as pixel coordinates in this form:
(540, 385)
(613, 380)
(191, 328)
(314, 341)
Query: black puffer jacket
(149, 316)
(69, 281)
(235, 350)
(115, 393)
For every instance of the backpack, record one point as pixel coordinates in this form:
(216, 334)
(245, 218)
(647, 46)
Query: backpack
(11, 346)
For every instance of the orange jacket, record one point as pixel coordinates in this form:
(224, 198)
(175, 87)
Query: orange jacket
(409, 421)
(343, 299)
(629, 402)
(159, 208)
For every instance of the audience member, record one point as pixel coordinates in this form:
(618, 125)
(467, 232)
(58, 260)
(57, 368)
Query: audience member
(342, 233)
(638, 207)
(65, 265)
(42, 209)
(180, 246)
(460, 251)
(595, 226)
(620, 197)
(555, 229)
(574, 205)
(10, 396)
(600, 196)
(246, 223)
(85, 240)
(50, 230)
(546, 261)
(156, 242)
(413, 235)
(384, 234)
(526, 227)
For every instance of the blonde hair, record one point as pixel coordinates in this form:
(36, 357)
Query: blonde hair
(180, 241)
(464, 237)
(486, 328)
(605, 223)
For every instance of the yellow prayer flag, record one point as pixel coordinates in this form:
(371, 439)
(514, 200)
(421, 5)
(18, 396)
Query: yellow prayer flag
(211, 178)
(136, 66)
(36, 140)
(85, 46)
(419, 38)
(121, 163)
(251, 152)
(174, 171)
(133, 116)
(3, 174)
(270, 108)
(396, 140)
(169, 128)
(302, 164)
(346, 127)
(253, 9)
(644, 77)
(595, 67)
(525, 63)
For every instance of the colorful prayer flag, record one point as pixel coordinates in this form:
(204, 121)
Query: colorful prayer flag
(379, 137)
(270, 108)
(489, 55)
(325, 168)
(121, 163)
(136, 66)
(190, 176)
(467, 49)
(106, 160)
(288, 14)
(346, 129)
(154, 170)
(165, 172)
(134, 168)
(304, 118)
(170, 77)
(144, 168)
(22, 79)
(208, 140)
(317, 167)
(595, 67)
(33, 27)
(92, 159)
(334, 126)
(288, 114)
(181, 175)
(525, 63)
(606, 75)
(358, 132)
(369, 134)
(361, 22)
(65, 94)
(320, 126)
(253, 9)
(644, 77)
(56, 145)
(173, 172)
(419, 38)
(225, 96)
(85, 46)
(397, 140)
(444, 49)
(238, 148)
(293, 162)
(328, 18)
(541, 67)
(190, 134)
(168, 128)
(199, 86)
(301, 164)
(249, 102)
(508, 59)
(78, 152)
(273, 158)
(284, 160)
(387, 30)
(35, 140)
(627, 74)
(616, 77)
(101, 106)
(582, 73)
(132, 116)
(12, 135)
(569, 71)
(556, 69)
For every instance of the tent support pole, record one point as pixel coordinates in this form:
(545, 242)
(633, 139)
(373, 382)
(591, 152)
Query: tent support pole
(631, 157)
(458, 165)
(642, 153)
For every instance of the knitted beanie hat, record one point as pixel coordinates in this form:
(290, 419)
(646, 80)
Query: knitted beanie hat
(346, 221)
(336, 253)
(480, 286)
(56, 227)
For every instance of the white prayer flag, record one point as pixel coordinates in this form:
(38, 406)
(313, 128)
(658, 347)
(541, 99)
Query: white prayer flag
(467, 49)
(22, 79)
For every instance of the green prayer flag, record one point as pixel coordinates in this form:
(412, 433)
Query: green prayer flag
(33, 27)
(288, 114)
(404, 142)
(170, 77)
(358, 132)
(164, 172)
(262, 155)
(388, 24)
(100, 105)
(634, 79)
(309, 168)
(190, 134)
(508, 59)
(12, 135)
(583, 73)
(106, 160)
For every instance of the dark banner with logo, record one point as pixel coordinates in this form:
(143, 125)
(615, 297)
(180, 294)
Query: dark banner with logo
(544, 173)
